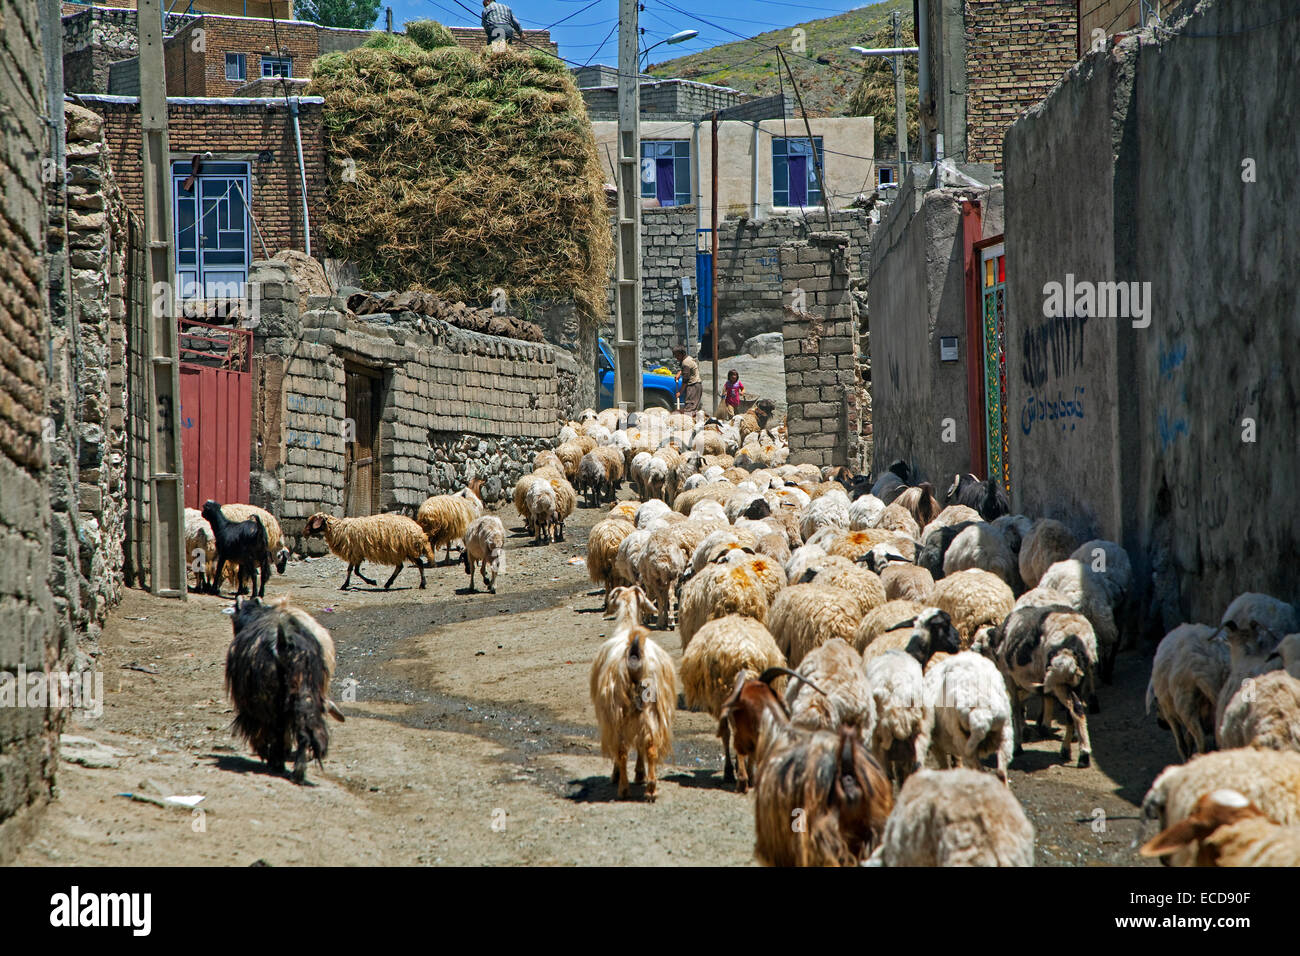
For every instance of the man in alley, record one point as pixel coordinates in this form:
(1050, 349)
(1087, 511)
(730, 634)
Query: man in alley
(689, 385)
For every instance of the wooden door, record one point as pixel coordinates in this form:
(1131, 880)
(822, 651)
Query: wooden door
(361, 455)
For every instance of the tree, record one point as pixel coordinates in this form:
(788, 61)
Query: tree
(875, 93)
(351, 14)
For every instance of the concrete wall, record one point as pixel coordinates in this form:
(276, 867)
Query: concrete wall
(676, 100)
(28, 637)
(823, 379)
(918, 295)
(1161, 459)
(846, 144)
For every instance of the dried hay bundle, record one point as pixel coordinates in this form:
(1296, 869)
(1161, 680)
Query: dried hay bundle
(460, 172)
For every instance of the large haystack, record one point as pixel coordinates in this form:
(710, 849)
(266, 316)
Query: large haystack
(460, 172)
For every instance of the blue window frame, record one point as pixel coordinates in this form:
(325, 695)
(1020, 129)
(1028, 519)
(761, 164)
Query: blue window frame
(666, 171)
(213, 244)
(794, 173)
(236, 67)
(277, 66)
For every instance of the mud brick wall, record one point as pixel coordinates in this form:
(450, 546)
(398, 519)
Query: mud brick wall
(233, 132)
(28, 638)
(1016, 51)
(822, 374)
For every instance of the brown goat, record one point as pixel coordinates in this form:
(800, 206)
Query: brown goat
(821, 798)
(1227, 829)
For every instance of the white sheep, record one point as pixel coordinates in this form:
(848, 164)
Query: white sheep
(865, 512)
(1268, 778)
(651, 509)
(1050, 651)
(1189, 670)
(805, 616)
(1227, 829)
(955, 818)
(1264, 713)
(901, 736)
(383, 538)
(1254, 625)
(1086, 591)
(973, 599)
(723, 654)
(708, 510)
(836, 693)
(830, 510)
(741, 584)
(485, 544)
(543, 511)
(970, 710)
(1048, 541)
(981, 546)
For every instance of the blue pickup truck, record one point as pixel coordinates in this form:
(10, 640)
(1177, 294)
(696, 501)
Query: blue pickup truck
(660, 391)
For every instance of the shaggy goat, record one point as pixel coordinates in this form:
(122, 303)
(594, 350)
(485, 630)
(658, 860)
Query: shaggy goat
(444, 518)
(278, 672)
(382, 538)
(820, 798)
(634, 691)
(901, 737)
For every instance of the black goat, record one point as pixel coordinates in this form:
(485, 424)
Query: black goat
(987, 497)
(278, 672)
(893, 482)
(243, 542)
(935, 546)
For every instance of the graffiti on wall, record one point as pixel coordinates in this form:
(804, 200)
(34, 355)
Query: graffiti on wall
(1052, 349)
(1060, 410)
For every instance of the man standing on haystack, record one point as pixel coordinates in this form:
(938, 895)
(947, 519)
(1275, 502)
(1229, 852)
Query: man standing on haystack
(500, 25)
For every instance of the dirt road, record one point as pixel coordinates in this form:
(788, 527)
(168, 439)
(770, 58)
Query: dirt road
(471, 741)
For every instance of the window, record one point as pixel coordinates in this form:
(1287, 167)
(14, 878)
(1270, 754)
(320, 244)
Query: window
(212, 231)
(666, 171)
(236, 67)
(794, 174)
(277, 66)
(885, 176)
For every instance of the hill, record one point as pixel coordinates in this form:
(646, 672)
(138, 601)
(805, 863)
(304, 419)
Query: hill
(833, 80)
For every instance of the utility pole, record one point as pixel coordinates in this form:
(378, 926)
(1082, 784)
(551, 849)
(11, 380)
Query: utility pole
(900, 103)
(166, 485)
(627, 272)
(713, 258)
(812, 143)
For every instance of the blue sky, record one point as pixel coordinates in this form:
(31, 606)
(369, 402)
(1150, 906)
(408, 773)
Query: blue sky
(588, 32)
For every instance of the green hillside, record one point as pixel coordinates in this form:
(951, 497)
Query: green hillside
(829, 75)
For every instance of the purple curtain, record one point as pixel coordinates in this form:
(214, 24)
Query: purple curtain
(664, 186)
(798, 167)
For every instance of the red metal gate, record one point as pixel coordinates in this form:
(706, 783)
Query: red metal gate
(216, 412)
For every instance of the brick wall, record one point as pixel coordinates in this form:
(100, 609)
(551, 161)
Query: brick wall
(823, 381)
(1016, 51)
(456, 405)
(473, 38)
(196, 55)
(28, 735)
(233, 132)
(96, 37)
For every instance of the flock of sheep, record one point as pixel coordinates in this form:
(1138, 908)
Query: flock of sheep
(863, 649)
(849, 636)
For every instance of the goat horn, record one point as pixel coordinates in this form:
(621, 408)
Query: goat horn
(773, 672)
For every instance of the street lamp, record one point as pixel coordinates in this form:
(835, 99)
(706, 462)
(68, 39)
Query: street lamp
(679, 37)
(895, 54)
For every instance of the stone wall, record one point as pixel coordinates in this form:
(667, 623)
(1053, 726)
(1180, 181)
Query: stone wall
(28, 636)
(96, 38)
(749, 274)
(1184, 444)
(87, 470)
(822, 375)
(456, 405)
